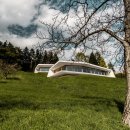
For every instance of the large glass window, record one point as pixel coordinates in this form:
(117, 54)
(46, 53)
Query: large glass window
(77, 68)
(73, 68)
(44, 69)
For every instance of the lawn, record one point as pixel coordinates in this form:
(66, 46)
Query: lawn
(34, 102)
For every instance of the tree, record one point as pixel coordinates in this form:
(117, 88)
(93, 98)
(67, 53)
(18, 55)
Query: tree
(45, 57)
(7, 69)
(80, 56)
(92, 59)
(38, 57)
(101, 62)
(25, 59)
(32, 58)
(111, 66)
(49, 57)
(96, 20)
(9, 53)
(55, 58)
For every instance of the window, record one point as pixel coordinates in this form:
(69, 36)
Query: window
(44, 69)
(84, 69)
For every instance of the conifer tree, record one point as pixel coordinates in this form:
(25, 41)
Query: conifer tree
(45, 57)
(92, 59)
(32, 58)
(38, 58)
(26, 59)
(101, 62)
(50, 57)
(55, 58)
(111, 66)
(80, 56)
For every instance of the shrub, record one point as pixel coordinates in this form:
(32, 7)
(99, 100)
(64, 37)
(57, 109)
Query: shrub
(7, 69)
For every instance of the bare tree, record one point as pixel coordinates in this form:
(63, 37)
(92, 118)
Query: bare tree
(95, 21)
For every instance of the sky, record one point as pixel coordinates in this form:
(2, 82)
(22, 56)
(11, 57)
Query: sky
(21, 19)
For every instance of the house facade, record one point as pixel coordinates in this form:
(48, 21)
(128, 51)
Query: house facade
(43, 68)
(73, 68)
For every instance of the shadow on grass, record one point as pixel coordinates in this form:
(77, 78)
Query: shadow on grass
(13, 78)
(107, 102)
(120, 105)
(95, 103)
(22, 104)
(3, 82)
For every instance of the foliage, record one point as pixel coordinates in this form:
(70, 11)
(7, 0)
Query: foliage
(111, 66)
(120, 75)
(66, 103)
(80, 56)
(100, 60)
(7, 69)
(92, 59)
(97, 59)
(9, 53)
(55, 58)
(26, 58)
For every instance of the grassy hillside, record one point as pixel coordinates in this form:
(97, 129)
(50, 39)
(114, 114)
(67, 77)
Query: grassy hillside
(34, 102)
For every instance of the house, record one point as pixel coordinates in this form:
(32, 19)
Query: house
(73, 68)
(42, 68)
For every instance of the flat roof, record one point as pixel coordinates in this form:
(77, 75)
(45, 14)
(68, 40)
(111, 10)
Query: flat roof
(62, 63)
(44, 65)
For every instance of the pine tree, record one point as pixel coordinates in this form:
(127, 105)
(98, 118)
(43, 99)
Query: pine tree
(55, 58)
(26, 59)
(80, 56)
(32, 59)
(111, 66)
(50, 57)
(38, 57)
(45, 57)
(100, 60)
(5, 44)
(92, 59)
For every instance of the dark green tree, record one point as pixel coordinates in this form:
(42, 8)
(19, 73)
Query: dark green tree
(92, 59)
(55, 58)
(111, 66)
(38, 58)
(80, 56)
(25, 59)
(32, 59)
(100, 60)
(45, 57)
(50, 57)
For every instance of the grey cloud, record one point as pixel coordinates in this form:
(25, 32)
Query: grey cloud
(22, 31)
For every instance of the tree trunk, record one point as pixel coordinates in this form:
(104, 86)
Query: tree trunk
(126, 114)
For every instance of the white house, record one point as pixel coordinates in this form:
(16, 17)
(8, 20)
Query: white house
(73, 68)
(42, 68)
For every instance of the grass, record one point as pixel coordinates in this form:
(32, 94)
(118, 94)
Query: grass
(34, 102)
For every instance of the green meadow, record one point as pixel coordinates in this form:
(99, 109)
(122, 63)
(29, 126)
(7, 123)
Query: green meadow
(31, 101)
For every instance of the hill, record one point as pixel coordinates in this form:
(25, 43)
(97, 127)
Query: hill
(34, 102)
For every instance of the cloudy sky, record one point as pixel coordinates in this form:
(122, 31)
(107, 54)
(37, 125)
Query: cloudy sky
(20, 19)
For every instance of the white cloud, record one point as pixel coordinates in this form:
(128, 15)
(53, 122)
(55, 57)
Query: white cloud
(16, 12)
(21, 12)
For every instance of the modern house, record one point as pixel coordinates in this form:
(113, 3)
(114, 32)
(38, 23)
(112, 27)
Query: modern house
(42, 68)
(73, 68)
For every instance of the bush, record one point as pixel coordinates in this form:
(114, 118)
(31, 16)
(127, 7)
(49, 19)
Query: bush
(121, 75)
(7, 69)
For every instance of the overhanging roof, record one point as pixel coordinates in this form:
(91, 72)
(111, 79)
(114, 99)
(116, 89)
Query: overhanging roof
(62, 63)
